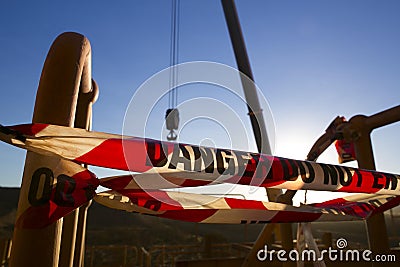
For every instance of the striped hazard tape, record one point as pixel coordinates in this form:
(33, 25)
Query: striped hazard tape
(209, 209)
(57, 188)
(163, 165)
(188, 162)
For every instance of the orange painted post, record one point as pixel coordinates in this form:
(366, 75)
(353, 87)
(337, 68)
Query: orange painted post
(56, 102)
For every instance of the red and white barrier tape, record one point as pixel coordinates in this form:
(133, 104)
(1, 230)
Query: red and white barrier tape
(189, 162)
(166, 165)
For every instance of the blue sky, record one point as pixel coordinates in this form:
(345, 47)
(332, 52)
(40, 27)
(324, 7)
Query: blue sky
(313, 60)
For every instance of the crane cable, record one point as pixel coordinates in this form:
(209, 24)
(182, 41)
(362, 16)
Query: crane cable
(172, 114)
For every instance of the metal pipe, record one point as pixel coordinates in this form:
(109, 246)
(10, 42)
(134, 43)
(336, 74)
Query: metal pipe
(87, 97)
(376, 227)
(383, 118)
(79, 256)
(68, 239)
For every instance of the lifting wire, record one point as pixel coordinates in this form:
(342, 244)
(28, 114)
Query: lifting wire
(172, 114)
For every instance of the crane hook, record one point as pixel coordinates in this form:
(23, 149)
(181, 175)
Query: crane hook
(172, 122)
